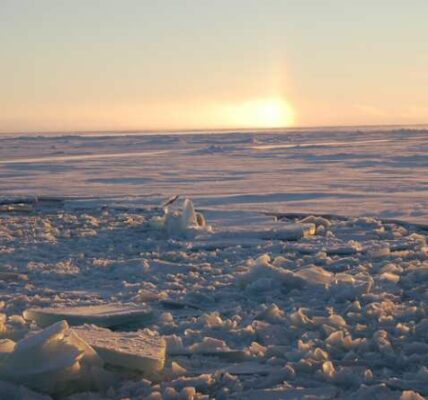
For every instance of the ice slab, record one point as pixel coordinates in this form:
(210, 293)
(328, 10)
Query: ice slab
(226, 355)
(130, 350)
(53, 361)
(211, 347)
(106, 315)
(289, 232)
(249, 368)
(225, 243)
(287, 393)
(16, 208)
(12, 276)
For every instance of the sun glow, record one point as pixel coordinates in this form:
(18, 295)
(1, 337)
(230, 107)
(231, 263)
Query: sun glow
(262, 113)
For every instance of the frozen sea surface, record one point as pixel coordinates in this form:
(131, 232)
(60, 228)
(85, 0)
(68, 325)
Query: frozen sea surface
(249, 307)
(245, 304)
(367, 173)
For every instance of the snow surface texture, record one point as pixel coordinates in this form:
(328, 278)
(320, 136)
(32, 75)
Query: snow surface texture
(336, 310)
(376, 172)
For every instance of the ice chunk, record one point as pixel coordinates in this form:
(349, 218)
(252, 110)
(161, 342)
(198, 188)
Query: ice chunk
(410, 395)
(390, 277)
(106, 315)
(2, 323)
(209, 347)
(350, 287)
(249, 368)
(131, 350)
(328, 369)
(289, 232)
(53, 361)
(12, 276)
(181, 223)
(10, 391)
(317, 220)
(380, 251)
(344, 250)
(263, 276)
(188, 217)
(6, 347)
(174, 344)
(177, 369)
(315, 276)
(52, 333)
(379, 391)
(272, 314)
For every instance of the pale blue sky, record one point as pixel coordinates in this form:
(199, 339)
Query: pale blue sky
(128, 64)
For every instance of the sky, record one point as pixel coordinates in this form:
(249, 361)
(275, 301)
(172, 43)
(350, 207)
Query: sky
(73, 65)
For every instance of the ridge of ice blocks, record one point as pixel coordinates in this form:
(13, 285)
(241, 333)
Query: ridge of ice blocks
(131, 350)
(182, 223)
(106, 315)
(53, 360)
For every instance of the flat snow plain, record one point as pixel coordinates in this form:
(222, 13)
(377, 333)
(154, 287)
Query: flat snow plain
(378, 173)
(247, 313)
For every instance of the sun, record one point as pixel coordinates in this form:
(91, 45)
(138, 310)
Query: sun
(272, 112)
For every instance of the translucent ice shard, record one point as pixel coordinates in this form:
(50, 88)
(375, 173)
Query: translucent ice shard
(53, 360)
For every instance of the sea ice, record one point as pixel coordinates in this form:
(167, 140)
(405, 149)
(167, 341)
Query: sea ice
(315, 276)
(131, 350)
(106, 315)
(207, 347)
(279, 231)
(182, 223)
(282, 393)
(10, 391)
(9, 276)
(53, 360)
(243, 310)
(2, 322)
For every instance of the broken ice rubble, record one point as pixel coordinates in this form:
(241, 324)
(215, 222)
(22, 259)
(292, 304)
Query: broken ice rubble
(60, 359)
(54, 360)
(247, 311)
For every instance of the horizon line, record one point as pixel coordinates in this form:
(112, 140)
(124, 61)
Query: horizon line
(208, 130)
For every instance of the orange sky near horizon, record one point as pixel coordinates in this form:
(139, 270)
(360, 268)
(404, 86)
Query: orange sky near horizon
(195, 64)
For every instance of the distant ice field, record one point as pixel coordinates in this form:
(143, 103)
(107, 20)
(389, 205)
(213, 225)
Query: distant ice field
(376, 172)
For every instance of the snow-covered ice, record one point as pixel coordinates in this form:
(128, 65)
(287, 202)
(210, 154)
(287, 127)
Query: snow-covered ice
(298, 271)
(376, 172)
